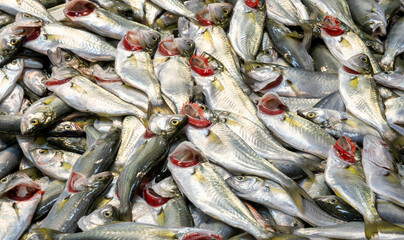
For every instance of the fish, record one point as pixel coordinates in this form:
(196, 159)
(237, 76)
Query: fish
(296, 131)
(9, 75)
(393, 79)
(290, 13)
(196, 177)
(32, 7)
(247, 25)
(13, 102)
(394, 45)
(358, 89)
(10, 45)
(20, 196)
(49, 197)
(34, 79)
(99, 217)
(82, 94)
(338, 208)
(9, 159)
(338, 124)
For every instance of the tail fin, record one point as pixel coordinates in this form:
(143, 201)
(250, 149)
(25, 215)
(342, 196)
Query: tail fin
(308, 166)
(297, 194)
(380, 226)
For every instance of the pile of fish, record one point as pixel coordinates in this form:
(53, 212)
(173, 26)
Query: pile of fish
(201, 120)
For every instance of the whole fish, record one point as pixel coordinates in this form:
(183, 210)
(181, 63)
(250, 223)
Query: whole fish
(43, 113)
(43, 36)
(9, 75)
(160, 132)
(247, 27)
(19, 197)
(135, 67)
(361, 99)
(296, 131)
(204, 187)
(289, 81)
(101, 21)
(272, 195)
(82, 94)
(381, 171)
(394, 45)
(369, 15)
(127, 231)
(65, 214)
(171, 65)
(338, 124)
(225, 148)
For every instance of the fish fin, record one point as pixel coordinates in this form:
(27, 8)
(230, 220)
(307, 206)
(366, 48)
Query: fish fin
(294, 88)
(125, 212)
(374, 228)
(51, 37)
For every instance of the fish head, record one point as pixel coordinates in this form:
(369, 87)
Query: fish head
(33, 120)
(195, 115)
(45, 156)
(67, 127)
(377, 156)
(220, 13)
(244, 184)
(15, 67)
(186, 46)
(168, 47)
(77, 9)
(11, 41)
(166, 21)
(99, 180)
(186, 155)
(166, 187)
(270, 104)
(168, 125)
(378, 26)
(317, 115)
(149, 40)
(61, 76)
(63, 57)
(262, 76)
(208, 113)
(360, 63)
(205, 65)
(105, 74)
(137, 40)
(19, 187)
(344, 148)
(27, 25)
(99, 217)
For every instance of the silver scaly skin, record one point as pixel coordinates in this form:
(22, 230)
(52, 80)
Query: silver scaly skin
(9, 75)
(32, 7)
(394, 45)
(289, 12)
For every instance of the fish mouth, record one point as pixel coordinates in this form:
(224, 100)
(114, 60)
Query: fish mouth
(152, 198)
(272, 84)
(75, 182)
(331, 26)
(131, 41)
(79, 8)
(350, 70)
(201, 236)
(270, 104)
(105, 75)
(200, 65)
(29, 32)
(168, 47)
(55, 82)
(379, 29)
(23, 190)
(345, 149)
(195, 115)
(185, 155)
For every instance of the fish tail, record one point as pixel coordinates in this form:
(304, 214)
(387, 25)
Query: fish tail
(296, 193)
(389, 134)
(387, 63)
(125, 212)
(374, 228)
(308, 166)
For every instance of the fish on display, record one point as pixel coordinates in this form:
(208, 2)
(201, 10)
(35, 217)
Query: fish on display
(201, 119)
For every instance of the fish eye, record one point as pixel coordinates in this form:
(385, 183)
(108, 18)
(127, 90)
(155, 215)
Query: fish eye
(364, 58)
(311, 115)
(332, 201)
(107, 214)
(27, 15)
(225, 11)
(266, 51)
(174, 122)
(42, 151)
(13, 41)
(240, 178)
(295, 224)
(203, 107)
(385, 173)
(154, 38)
(68, 127)
(100, 178)
(257, 66)
(34, 121)
(14, 62)
(190, 44)
(3, 180)
(68, 57)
